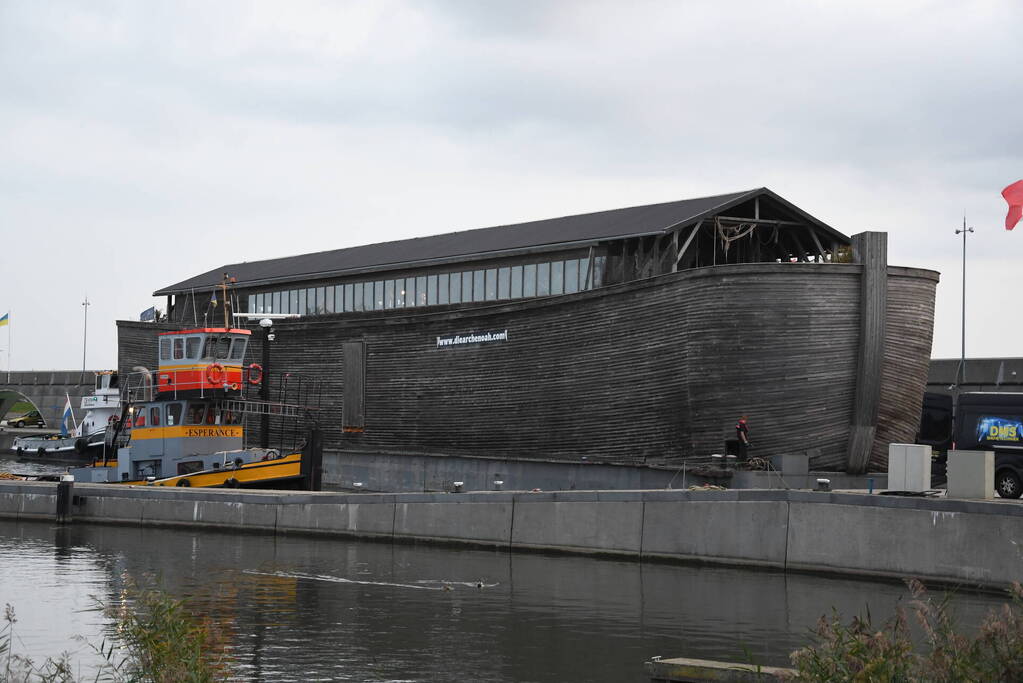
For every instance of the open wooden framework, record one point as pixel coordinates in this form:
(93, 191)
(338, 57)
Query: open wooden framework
(762, 229)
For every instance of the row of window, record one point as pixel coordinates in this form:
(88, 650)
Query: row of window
(488, 284)
(170, 414)
(213, 347)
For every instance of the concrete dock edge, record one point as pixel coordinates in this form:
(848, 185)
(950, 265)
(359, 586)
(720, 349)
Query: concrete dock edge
(969, 543)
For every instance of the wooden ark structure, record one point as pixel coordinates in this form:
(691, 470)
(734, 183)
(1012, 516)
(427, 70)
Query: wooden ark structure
(635, 336)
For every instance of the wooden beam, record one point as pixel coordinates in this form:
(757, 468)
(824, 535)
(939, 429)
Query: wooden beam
(820, 247)
(689, 240)
(764, 221)
(799, 245)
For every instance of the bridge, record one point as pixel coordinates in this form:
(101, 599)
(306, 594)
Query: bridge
(46, 391)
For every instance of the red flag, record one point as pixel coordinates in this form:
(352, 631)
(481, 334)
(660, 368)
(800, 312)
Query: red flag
(1014, 195)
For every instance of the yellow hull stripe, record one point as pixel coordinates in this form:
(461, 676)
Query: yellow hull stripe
(186, 432)
(288, 467)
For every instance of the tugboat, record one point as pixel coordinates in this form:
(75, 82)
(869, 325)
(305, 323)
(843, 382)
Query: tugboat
(102, 408)
(183, 425)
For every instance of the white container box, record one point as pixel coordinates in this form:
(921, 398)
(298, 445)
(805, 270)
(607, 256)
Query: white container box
(909, 467)
(971, 474)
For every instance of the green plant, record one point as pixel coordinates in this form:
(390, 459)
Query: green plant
(159, 639)
(863, 653)
(155, 639)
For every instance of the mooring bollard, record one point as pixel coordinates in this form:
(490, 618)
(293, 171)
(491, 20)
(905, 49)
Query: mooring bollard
(64, 491)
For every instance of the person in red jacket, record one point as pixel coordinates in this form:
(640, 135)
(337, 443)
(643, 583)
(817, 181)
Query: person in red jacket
(742, 435)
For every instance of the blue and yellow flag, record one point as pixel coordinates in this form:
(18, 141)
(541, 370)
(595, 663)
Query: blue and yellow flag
(5, 319)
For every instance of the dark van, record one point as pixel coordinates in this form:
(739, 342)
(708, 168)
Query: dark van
(990, 421)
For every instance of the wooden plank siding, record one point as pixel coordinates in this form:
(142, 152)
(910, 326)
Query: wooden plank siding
(647, 372)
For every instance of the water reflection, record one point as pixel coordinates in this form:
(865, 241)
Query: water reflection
(299, 609)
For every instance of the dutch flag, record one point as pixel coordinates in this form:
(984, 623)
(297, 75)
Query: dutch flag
(68, 415)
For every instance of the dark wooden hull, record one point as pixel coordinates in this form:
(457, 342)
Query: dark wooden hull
(648, 372)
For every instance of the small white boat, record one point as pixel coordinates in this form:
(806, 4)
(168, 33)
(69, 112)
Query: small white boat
(102, 407)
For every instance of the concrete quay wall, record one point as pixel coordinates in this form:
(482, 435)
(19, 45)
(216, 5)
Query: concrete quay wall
(976, 543)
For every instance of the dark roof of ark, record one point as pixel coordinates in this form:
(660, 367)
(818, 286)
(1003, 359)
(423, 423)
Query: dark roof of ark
(550, 233)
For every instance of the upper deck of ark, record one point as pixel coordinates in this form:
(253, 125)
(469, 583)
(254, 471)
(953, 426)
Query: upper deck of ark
(525, 260)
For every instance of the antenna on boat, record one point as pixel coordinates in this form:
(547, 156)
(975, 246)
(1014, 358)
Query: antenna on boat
(228, 280)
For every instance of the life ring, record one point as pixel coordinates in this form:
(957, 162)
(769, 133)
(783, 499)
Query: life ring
(255, 373)
(215, 374)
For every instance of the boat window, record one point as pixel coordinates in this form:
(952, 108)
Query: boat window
(232, 418)
(192, 346)
(421, 290)
(443, 288)
(349, 298)
(303, 307)
(378, 295)
(165, 348)
(196, 412)
(491, 286)
(467, 286)
(140, 418)
(529, 280)
(154, 416)
(543, 279)
(431, 290)
(114, 383)
(212, 416)
(558, 277)
(293, 302)
(173, 414)
(367, 296)
(571, 276)
(209, 349)
(321, 300)
(328, 301)
(358, 296)
(275, 305)
(410, 292)
(584, 274)
(516, 282)
(223, 347)
(238, 348)
(189, 467)
(252, 304)
(598, 270)
(478, 278)
(389, 294)
(179, 348)
(504, 283)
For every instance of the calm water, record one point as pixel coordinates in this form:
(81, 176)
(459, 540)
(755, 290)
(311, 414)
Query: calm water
(321, 609)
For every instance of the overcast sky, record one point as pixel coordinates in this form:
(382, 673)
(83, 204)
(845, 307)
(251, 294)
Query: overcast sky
(142, 143)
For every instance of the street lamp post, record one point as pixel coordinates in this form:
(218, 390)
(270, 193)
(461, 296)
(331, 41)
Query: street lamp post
(85, 336)
(961, 372)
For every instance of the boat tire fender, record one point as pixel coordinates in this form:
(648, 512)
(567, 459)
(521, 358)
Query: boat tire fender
(215, 374)
(41, 452)
(183, 482)
(255, 373)
(81, 445)
(232, 483)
